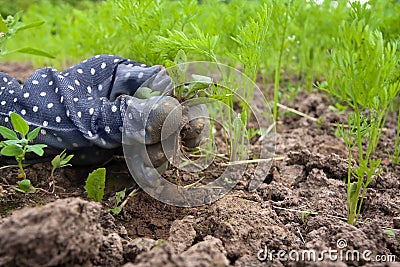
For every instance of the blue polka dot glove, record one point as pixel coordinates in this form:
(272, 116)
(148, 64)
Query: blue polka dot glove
(82, 108)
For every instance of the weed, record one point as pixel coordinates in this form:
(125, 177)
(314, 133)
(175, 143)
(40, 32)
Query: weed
(17, 141)
(119, 197)
(60, 161)
(25, 186)
(305, 215)
(390, 233)
(95, 184)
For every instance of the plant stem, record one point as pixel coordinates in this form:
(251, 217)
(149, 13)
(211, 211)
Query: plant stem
(19, 160)
(21, 168)
(396, 150)
(349, 203)
(278, 68)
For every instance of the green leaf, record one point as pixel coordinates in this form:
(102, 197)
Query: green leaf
(60, 161)
(32, 51)
(95, 184)
(8, 133)
(56, 161)
(25, 186)
(65, 160)
(37, 149)
(19, 124)
(31, 25)
(201, 78)
(116, 210)
(352, 194)
(34, 133)
(180, 57)
(119, 196)
(11, 150)
(11, 142)
(3, 26)
(181, 60)
(199, 101)
(390, 233)
(177, 75)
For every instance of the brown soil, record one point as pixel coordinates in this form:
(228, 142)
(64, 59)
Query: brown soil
(65, 229)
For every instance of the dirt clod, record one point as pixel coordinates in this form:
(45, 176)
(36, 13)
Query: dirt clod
(66, 231)
(209, 252)
(182, 234)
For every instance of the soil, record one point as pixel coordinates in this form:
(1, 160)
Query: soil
(300, 207)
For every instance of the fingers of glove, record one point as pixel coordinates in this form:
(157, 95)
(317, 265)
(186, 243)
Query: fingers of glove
(161, 116)
(197, 127)
(154, 155)
(146, 173)
(160, 83)
(128, 79)
(164, 118)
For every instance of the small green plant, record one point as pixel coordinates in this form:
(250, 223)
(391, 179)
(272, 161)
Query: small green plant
(95, 184)
(60, 161)
(25, 186)
(17, 142)
(281, 15)
(305, 215)
(119, 197)
(390, 233)
(252, 41)
(365, 77)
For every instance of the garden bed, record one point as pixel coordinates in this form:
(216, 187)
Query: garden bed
(300, 207)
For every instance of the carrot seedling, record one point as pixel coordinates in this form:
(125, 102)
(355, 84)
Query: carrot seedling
(368, 87)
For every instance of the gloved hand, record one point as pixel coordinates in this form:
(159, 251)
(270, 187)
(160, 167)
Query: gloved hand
(83, 108)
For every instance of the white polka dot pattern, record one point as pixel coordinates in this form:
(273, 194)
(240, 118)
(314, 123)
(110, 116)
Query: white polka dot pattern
(74, 107)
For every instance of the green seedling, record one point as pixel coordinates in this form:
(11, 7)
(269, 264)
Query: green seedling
(121, 200)
(119, 197)
(368, 87)
(95, 184)
(305, 215)
(281, 15)
(60, 161)
(17, 142)
(252, 132)
(390, 233)
(25, 186)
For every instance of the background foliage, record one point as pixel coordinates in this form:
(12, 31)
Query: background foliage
(78, 29)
